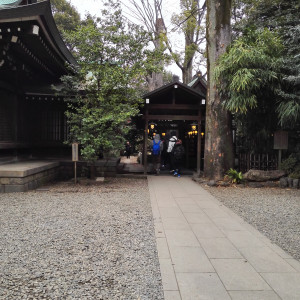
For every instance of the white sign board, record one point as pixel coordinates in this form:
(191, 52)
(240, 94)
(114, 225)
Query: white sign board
(75, 152)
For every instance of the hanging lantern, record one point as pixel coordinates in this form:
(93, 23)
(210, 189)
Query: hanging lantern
(193, 126)
(152, 125)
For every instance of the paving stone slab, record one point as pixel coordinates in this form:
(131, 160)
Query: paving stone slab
(199, 286)
(254, 295)
(162, 248)
(170, 212)
(172, 295)
(159, 230)
(263, 259)
(176, 224)
(190, 259)
(206, 230)
(185, 200)
(286, 285)
(219, 248)
(166, 203)
(197, 218)
(228, 224)
(167, 275)
(294, 263)
(238, 274)
(215, 213)
(243, 239)
(194, 208)
(181, 238)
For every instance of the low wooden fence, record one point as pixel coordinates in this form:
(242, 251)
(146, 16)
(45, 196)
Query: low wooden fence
(264, 162)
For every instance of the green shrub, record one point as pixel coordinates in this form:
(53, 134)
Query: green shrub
(291, 165)
(234, 176)
(296, 172)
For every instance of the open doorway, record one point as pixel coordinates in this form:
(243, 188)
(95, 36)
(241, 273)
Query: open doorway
(187, 131)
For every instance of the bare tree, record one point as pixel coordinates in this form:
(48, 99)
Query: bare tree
(218, 141)
(188, 21)
(148, 13)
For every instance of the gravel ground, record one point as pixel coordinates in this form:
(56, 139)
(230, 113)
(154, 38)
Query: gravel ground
(274, 212)
(79, 242)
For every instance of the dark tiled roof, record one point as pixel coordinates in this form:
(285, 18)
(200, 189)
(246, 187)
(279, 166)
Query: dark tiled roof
(170, 86)
(39, 12)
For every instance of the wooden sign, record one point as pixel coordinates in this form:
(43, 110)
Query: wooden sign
(280, 140)
(75, 152)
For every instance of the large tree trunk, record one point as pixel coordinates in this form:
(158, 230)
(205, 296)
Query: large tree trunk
(187, 75)
(155, 80)
(218, 141)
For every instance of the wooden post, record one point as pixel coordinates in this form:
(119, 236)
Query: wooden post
(199, 144)
(187, 155)
(75, 172)
(145, 143)
(199, 149)
(279, 158)
(75, 159)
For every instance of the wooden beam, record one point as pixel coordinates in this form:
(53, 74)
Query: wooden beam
(173, 117)
(174, 106)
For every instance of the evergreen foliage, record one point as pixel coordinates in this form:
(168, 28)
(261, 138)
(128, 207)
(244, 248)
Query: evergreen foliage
(248, 75)
(114, 60)
(249, 69)
(260, 74)
(281, 16)
(65, 15)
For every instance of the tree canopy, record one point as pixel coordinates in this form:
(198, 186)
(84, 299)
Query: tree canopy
(65, 15)
(250, 70)
(114, 59)
(259, 75)
(282, 17)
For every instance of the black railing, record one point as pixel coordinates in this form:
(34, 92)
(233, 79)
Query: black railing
(264, 162)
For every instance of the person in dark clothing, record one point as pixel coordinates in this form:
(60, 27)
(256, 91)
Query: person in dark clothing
(128, 149)
(164, 157)
(177, 157)
(171, 144)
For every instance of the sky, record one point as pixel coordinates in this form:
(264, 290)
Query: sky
(169, 7)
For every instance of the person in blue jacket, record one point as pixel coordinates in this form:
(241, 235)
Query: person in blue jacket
(157, 148)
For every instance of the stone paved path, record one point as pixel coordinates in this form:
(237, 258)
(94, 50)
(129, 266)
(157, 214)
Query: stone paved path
(208, 252)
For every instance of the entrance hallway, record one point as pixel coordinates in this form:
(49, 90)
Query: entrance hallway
(208, 252)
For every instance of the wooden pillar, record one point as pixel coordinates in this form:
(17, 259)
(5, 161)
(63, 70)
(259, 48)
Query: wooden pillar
(187, 156)
(145, 142)
(199, 145)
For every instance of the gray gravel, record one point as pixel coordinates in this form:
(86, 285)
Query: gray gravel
(274, 212)
(82, 242)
